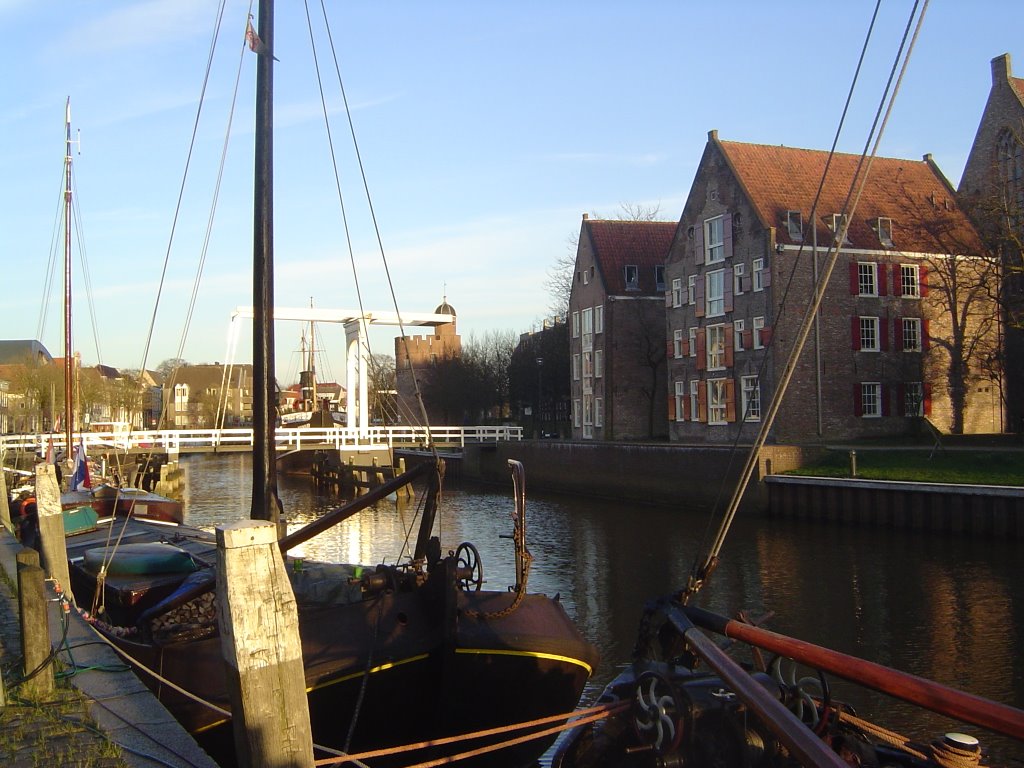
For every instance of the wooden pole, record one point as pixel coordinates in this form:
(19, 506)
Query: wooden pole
(35, 631)
(259, 630)
(54, 550)
(5, 510)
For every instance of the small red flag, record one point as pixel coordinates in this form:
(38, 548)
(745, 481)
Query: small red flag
(256, 45)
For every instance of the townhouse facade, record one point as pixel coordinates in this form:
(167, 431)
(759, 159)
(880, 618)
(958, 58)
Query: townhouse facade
(992, 191)
(616, 324)
(207, 396)
(905, 329)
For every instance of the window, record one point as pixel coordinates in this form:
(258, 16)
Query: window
(693, 341)
(714, 293)
(885, 232)
(716, 401)
(910, 281)
(758, 327)
(737, 335)
(599, 318)
(694, 400)
(586, 277)
(598, 363)
(837, 223)
(598, 412)
(911, 327)
(716, 347)
(588, 327)
(751, 393)
(691, 289)
(576, 367)
(867, 278)
(869, 341)
(714, 240)
(632, 276)
(576, 413)
(737, 279)
(659, 277)
(795, 225)
(677, 291)
(871, 399)
(588, 370)
(680, 400)
(677, 343)
(758, 269)
(913, 398)
(575, 325)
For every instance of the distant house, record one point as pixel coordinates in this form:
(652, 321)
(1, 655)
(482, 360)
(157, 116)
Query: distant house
(617, 330)
(207, 396)
(906, 329)
(992, 191)
(539, 380)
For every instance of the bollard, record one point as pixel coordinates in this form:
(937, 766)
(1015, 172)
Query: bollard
(35, 631)
(53, 549)
(259, 630)
(853, 463)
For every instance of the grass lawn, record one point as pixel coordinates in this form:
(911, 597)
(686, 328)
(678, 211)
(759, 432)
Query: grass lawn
(946, 466)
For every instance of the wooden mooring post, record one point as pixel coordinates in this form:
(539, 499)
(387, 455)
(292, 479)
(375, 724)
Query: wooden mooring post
(5, 515)
(35, 626)
(54, 550)
(259, 630)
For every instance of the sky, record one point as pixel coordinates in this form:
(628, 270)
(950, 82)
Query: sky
(485, 131)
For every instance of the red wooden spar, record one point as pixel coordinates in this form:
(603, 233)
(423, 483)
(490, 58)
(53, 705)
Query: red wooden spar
(939, 698)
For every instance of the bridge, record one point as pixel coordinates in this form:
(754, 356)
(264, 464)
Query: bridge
(176, 441)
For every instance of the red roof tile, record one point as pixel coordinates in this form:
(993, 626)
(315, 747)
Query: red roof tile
(912, 193)
(643, 244)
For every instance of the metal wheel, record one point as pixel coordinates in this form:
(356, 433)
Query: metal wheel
(658, 713)
(800, 691)
(469, 567)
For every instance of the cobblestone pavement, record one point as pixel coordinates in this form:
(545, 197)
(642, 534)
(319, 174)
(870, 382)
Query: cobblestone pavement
(55, 732)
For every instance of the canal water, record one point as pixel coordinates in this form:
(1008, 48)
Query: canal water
(946, 608)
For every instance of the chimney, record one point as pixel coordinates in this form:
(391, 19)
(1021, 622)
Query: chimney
(586, 216)
(1002, 70)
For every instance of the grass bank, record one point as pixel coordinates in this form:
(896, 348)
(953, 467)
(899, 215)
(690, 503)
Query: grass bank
(970, 467)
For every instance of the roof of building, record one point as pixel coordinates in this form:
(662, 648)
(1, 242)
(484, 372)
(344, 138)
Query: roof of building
(617, 244)
(913, 194)
(207, 376)
(444, 308)
(19, 350)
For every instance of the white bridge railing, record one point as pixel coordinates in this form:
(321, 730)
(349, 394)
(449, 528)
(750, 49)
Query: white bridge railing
(288, 439)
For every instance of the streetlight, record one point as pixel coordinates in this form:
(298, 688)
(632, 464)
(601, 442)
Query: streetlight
(540, 389)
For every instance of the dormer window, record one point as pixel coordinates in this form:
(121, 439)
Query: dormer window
(885, 232)
(837, 223)
(795, 226)
(632, 276)
(659, 277)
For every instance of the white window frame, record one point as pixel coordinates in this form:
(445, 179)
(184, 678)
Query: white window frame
(677, 291)
(677, 343)
(750, 390)
(586, 277)
(871, 395)
(714, 293)
(659, 277)
(694, 399)
(911, 340)
(757, 267)
(598, 412)
(599, 318)
(885, 231)
(631, 269)
(737, 335)
(587, 317)
(691, 290)
(714, 344)
(680, 400)
(576, 367)
(575, 325)
(837, 222)
(576, 416)
(598, 363)
(757, 326)
(717, 402)
(913, 398)
(910, 281)
(867, 278)
(870, 340)
(795, 225)
(714, 240)
(692, 333)
(737, 278)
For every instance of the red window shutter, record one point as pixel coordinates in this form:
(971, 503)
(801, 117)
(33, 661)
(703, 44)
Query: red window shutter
(922, 279)
(727, 236)
(883, 395)
(686, 409)
(746, 283)
(766, 275)
(698, 297)
(855, 332)
(671, 408)
(854, 281)
(858, 405)
(883, 334)
(730, 342)
(670, 348)
(927, 399)
(730, 400)
(748, 339)
(901, 400)
(727, 291)
(698, 243)
(881, 279)
(925, 338)
(702, 403)
(766, 336)
(897, 334)
(668, 298)
(897, 280)
(702, 350)
(684, 347)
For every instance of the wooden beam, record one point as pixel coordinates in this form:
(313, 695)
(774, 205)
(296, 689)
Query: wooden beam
(54, 551)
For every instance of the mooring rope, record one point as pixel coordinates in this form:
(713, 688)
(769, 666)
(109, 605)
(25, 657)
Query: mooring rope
(940, 751)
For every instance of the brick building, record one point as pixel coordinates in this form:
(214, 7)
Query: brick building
(617, 330)
(992, 191)
(414, 358)
(208, 395)
(900, 320)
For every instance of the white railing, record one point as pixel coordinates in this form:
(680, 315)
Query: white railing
(288, 438)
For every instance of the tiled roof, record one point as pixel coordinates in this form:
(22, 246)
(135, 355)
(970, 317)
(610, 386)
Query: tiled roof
(912, 193)
(1018, 87)
(643, 244)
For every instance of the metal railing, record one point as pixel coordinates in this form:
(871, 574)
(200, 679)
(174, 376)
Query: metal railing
(288, 438)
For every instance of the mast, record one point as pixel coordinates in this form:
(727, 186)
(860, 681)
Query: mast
(69, 427)
(265, 502)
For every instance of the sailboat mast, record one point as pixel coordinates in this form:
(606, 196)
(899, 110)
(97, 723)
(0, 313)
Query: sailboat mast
(68, 361)
(265, 502)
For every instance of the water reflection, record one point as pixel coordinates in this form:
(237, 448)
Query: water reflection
(930, 604)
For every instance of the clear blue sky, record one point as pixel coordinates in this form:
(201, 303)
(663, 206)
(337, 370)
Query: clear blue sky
(486, 130)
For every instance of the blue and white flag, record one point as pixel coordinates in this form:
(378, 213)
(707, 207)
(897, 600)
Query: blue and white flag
(80, 480)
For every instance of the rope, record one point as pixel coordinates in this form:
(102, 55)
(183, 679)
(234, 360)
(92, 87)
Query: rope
(940, 751)
(950, 756)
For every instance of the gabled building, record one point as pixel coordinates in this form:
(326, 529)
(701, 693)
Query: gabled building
(208, 395)
(617, 330)
(906, 329)
(992, 192)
